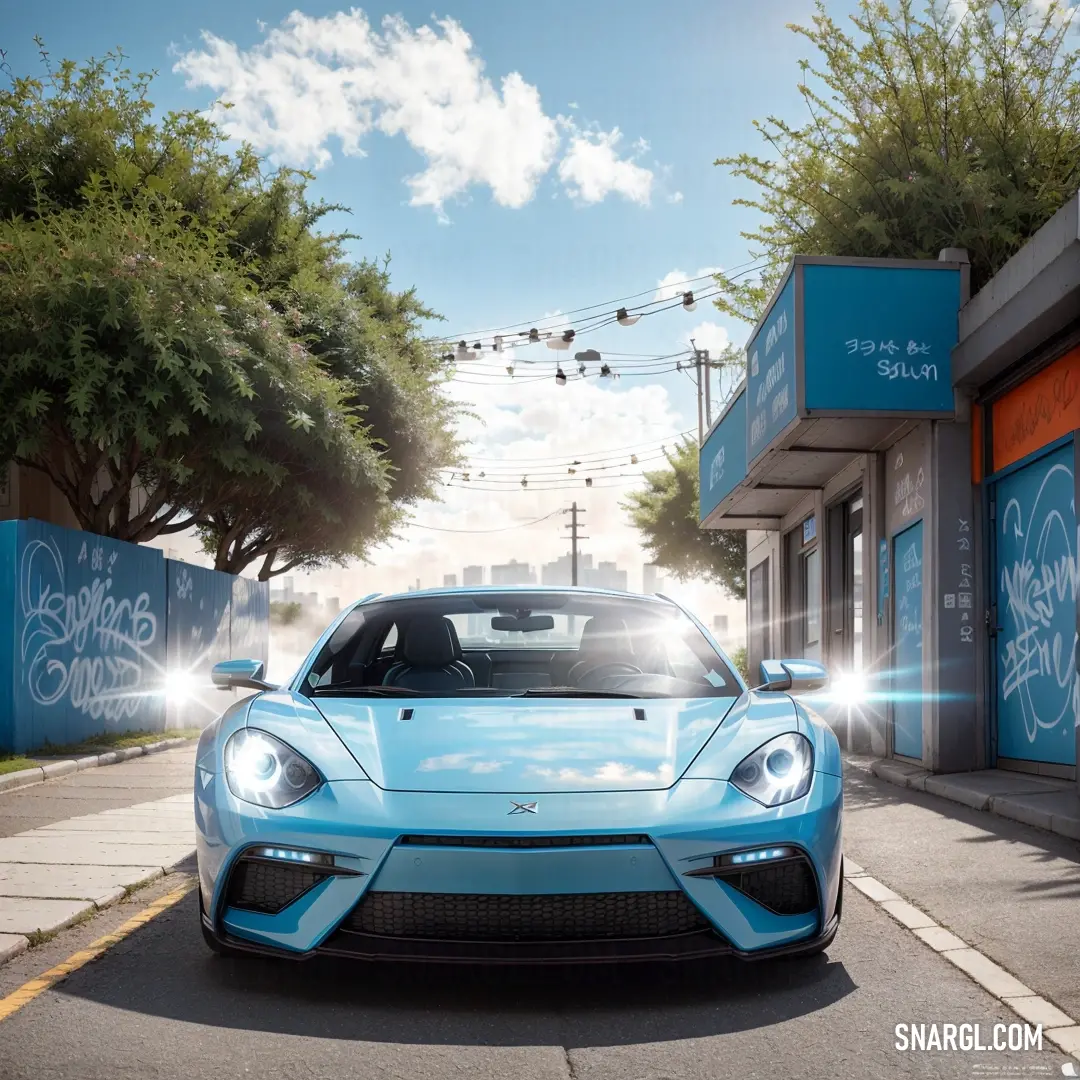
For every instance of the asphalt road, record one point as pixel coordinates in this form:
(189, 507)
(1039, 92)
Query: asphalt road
(159, 1005)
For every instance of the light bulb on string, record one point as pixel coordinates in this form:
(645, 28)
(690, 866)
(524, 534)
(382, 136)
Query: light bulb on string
(524, 481)
(510, 369)
(624, 318)
(605, 371)
(561, 342)
(588, 481)
(572, 472)
(498, 344)
(560, 377)
(581, 369)
(633, 459)
(533, 334)
(688, 301)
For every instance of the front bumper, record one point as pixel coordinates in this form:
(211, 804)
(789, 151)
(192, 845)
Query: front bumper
(689, 827)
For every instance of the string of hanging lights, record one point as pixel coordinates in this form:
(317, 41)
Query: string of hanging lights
(619, 305)
(561, 340)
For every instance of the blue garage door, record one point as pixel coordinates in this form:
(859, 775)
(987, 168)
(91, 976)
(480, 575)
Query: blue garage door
(1036, 583)
(908, 635)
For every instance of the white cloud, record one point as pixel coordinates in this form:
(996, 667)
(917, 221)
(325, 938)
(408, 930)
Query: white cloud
(314, 81)
(677, 282)
(592, 169)
(711, 336)
(675, 197)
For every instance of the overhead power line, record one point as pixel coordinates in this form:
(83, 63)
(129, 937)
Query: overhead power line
(591, 453)
(506, 528)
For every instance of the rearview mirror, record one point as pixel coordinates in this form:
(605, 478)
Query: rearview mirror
(526, 623)
(240, 675)
(792, 676)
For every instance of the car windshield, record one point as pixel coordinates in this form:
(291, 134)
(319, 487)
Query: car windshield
(518, 643)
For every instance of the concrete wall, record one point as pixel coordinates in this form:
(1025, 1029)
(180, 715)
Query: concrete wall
(94, 632)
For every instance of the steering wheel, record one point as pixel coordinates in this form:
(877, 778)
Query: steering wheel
(609, 669)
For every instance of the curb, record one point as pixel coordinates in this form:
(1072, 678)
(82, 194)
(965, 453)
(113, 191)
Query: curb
(916, 779)
(40, 773)
(1059, 1027)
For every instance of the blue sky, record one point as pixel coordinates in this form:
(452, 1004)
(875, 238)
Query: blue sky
(517, 214)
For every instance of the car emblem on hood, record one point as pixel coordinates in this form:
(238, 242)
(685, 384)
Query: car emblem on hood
(522, 807)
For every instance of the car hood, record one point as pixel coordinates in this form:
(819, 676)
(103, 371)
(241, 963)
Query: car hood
(524, 746)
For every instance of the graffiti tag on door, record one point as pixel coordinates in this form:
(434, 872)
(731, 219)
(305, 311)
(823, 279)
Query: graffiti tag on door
(1038, 545)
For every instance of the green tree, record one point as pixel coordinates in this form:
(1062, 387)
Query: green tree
(924, 131)
(180, 348)
(665, 512)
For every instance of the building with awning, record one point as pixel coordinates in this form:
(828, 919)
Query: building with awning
(870, 455)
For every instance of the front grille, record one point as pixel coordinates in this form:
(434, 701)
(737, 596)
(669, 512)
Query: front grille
(788, 888)
(269, 887)
(525, 841)
(559, 917)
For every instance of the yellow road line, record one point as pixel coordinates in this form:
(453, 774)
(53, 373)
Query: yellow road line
(35, 987)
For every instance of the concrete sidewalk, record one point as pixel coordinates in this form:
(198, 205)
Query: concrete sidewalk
(69, 866)
(1008, 889)
(1053, 805)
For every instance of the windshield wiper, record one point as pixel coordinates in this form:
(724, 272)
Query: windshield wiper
(576, 691)
(348, 690)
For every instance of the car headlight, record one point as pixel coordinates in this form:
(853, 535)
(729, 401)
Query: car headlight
(778, 772)
(263, 770)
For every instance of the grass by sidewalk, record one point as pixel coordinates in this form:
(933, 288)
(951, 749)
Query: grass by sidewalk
(98, 744)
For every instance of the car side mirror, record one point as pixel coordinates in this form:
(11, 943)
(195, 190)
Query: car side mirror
(792, 676)
(240, 674)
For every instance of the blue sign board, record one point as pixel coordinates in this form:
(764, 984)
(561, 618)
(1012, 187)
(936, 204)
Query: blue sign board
(908, 635)
(770, 382)
(722, 460)
(879, 339)
(809, 529)
(882, 577)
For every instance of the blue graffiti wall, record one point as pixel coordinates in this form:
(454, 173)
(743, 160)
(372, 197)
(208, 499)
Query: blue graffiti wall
(199, 616)
(722, 461)
(89, 623)
(1036, 545)
(879, 338)
(95, 632)
(908, 634)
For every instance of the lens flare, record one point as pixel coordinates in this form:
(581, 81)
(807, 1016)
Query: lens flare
(179, 685)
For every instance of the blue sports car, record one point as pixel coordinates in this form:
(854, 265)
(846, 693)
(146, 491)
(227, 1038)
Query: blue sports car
(519, 775)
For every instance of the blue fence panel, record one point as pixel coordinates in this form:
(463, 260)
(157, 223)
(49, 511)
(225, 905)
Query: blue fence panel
(250, 638)
(9, 540)
(89, 623)
(200, 603)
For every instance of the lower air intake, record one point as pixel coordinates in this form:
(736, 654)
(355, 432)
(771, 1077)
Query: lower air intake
(565, 917)
(788, 888)
(269, 887)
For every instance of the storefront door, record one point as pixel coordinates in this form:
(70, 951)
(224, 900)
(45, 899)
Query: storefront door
(908, 636)
(1033, 629)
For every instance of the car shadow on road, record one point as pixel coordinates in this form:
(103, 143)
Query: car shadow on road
(166, 971)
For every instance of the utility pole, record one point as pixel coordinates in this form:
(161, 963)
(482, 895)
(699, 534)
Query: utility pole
(574, 538)
(697, 372)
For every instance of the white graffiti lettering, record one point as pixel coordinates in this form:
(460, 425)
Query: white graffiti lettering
(900, 370)
(87, 649)
(1039, 591)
